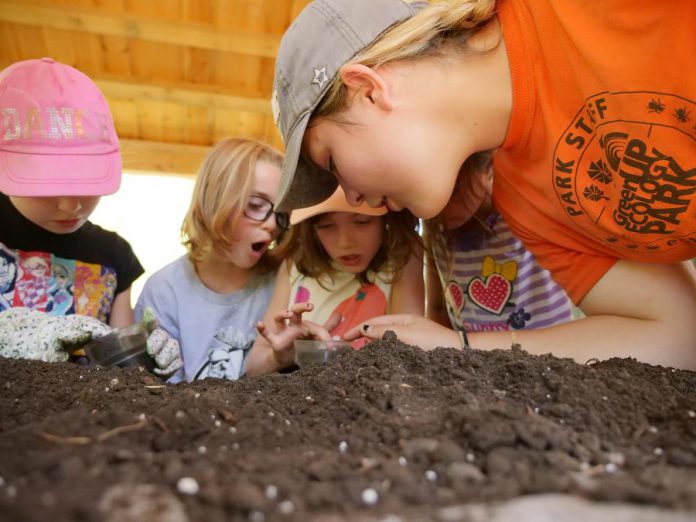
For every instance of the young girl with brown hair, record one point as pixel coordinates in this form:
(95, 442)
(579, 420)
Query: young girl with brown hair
(344, 265)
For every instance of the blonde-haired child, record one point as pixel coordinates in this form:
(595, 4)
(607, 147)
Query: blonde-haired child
(210, 298)
(344, 266)
(594, 149)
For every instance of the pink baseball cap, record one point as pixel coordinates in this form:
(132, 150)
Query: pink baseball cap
(57, 136)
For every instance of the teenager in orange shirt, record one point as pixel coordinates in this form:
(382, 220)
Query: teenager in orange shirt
(590, 111)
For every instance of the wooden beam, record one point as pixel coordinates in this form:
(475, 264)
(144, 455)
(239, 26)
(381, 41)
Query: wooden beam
(153, 157)
(184, 95)
(128, 26)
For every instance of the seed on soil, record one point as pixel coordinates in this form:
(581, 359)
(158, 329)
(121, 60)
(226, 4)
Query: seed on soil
(218, 423)
(180, 414)
(343, 446)
(431, 475)
(402, 461)
(235, 446)
(611, 468)
(187, 486)
(233, 429)
(308, 398)
(470, 457)
(652, 429)
(369, 496)
(691, 414)
(202, 449)
(658, 451)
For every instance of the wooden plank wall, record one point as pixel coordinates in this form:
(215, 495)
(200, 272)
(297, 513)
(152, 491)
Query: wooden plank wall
(178, 74)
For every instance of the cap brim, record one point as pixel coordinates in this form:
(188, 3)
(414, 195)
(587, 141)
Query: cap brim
(336, 203)
(303, 183)
(47, 175)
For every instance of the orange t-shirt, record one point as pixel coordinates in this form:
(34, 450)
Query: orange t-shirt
(599, 162)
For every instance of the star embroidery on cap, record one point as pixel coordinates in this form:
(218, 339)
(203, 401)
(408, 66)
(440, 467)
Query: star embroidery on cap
(320, 77)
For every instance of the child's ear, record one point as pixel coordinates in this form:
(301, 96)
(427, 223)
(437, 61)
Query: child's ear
(365, 83)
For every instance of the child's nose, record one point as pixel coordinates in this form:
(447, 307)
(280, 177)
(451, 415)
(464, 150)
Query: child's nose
(345, 238)
(270, 223)
(69, 204)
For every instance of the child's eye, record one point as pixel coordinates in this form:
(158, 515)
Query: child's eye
(322, 225)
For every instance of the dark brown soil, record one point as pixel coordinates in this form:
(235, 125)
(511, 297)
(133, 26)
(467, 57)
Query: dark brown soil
(423, 430)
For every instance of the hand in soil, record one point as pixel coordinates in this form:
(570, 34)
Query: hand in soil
(31, 334)
(409, 329)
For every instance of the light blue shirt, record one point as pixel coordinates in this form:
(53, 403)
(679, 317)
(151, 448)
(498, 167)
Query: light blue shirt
(215, 331)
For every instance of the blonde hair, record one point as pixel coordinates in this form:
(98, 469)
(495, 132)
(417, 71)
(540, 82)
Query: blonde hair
(223, 187)
(428, 33)
(423, 35)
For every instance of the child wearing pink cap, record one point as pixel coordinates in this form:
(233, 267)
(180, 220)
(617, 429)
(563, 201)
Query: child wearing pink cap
(344, 265)
(59, 154)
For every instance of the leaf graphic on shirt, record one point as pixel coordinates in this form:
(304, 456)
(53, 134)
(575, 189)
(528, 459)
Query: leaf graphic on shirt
(598, 171)
(594, 193)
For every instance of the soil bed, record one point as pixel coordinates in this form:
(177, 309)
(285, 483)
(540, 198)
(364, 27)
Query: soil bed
(390, 433)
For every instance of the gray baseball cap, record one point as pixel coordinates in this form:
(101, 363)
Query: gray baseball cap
(325, 36)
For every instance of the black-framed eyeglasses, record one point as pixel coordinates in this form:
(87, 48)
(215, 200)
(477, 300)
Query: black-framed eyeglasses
(260, 209)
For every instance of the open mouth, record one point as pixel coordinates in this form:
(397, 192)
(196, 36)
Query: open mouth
(350, 260)
(259, 246)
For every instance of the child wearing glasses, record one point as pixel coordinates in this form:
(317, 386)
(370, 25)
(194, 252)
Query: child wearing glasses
(345, 265)
(210, 298)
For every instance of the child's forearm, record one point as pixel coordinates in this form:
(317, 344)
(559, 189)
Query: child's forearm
(639, 310)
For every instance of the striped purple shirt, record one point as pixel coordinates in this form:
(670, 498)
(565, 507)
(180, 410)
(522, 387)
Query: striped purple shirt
(496, 284)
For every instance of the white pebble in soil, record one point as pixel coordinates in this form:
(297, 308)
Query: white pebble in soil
(257, 516)
(431, 475)
(187, 486)
(343, 446)
(271, 492)
(369, 496)
(286, 507)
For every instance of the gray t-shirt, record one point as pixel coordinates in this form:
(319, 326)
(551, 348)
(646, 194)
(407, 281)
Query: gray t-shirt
(215, 331)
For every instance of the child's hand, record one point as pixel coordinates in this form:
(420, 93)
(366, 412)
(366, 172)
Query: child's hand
(409, 329)
(289, 327)
(164, 349)
(32, 334)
